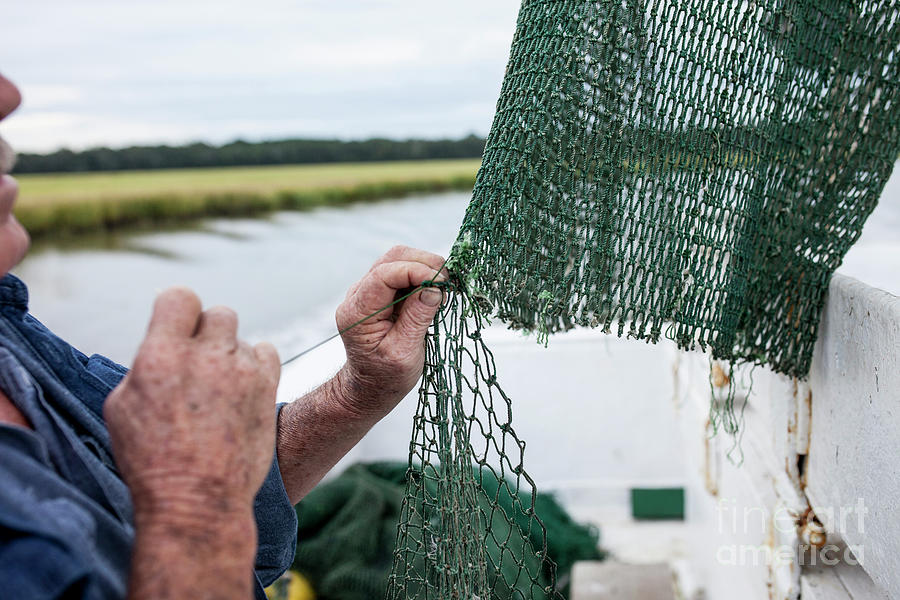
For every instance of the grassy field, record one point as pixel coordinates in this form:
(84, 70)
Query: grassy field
(85, 202)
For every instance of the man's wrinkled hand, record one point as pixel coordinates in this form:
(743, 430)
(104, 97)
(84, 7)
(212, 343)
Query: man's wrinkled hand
(193, 423)
(385, 353)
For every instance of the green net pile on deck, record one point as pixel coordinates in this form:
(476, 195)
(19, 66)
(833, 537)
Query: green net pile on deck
(348, 526)
(689, 169)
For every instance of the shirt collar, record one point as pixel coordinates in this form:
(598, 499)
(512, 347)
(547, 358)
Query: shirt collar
(13, 292)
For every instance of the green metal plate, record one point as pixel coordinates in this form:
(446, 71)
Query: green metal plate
(657, 503)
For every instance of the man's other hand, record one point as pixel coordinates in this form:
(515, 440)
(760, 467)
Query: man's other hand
(193, 423)
(385, 353)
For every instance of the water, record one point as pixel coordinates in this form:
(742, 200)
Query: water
(283, 275)
(598, 415)
(875, 258)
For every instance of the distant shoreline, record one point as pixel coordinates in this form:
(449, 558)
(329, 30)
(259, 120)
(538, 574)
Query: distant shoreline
(79, 203)
(296, 151)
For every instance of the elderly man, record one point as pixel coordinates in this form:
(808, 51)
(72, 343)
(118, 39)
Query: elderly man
(161, 482)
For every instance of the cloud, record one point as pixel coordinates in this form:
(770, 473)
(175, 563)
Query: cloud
(51, 96)
(114, 73)
(45, 129)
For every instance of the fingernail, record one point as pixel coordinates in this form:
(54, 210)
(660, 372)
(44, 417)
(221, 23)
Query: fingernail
(431, 296)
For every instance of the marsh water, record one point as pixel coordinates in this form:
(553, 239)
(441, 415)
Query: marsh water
(284, 275)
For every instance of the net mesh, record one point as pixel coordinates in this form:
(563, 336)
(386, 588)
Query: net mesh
(693, 169)
(348, 527)
(450, 545)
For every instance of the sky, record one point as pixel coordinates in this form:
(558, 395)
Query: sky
(114, 73)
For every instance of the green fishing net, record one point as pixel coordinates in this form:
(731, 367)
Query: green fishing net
(693, 169)
(348, 526)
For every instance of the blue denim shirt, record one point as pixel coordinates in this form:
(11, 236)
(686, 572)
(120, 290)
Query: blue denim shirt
(66, 527)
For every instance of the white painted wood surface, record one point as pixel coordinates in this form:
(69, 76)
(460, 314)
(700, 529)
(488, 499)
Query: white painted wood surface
(611, 580)
(840, 582)
(742, 512)
(830, 444)
(854, 458)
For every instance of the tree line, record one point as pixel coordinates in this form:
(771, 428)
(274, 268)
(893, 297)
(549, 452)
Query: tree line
(278, 152)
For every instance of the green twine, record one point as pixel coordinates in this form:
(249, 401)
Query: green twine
(425, 284)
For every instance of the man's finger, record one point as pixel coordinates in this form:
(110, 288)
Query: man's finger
(269, 363)
(175, 313)
(379, 288)
(404, 254)
(407, 254)
(218, 323)
(415, 317)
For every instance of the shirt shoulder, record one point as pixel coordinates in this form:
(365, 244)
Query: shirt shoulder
(37, 568)
(51, 359)
(50, 534)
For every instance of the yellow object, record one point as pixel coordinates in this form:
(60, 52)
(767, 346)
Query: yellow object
(299, 588)
(291, 586)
